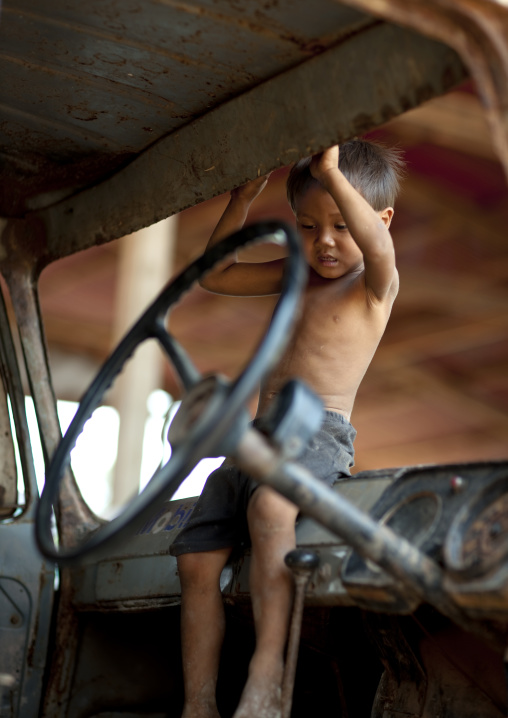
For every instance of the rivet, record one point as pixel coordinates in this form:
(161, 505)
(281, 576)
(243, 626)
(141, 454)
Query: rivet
(457, 484)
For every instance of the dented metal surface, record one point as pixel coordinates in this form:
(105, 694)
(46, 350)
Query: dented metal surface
(107, 80)
(257, 132)
(165, 102)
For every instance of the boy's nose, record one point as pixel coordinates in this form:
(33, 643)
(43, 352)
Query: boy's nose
(325, 238)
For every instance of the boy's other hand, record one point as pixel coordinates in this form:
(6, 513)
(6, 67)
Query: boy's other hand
(250, 190)
(324, 162)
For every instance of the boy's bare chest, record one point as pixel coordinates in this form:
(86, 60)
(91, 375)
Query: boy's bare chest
(337, 324)
(332, 344)
(332, 310)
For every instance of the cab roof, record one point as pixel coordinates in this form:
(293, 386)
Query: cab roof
(115, 115)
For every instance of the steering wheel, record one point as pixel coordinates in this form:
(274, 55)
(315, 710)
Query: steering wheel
(213, 408)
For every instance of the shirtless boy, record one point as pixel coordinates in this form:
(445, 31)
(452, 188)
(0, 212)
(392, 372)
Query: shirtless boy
(343, 216)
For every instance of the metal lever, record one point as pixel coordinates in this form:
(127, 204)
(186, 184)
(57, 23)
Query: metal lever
(302, 563)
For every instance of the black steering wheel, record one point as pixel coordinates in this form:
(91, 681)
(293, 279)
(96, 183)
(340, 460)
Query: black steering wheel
(215, 406)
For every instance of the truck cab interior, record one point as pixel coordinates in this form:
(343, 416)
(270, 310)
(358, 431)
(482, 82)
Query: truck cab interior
(114, 117)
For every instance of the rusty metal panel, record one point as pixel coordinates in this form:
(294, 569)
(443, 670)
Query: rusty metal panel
(363, 493)
(140, 577)
(8, 471)
(85, 86)
(26, 597)
(138, 571)
(274, 124)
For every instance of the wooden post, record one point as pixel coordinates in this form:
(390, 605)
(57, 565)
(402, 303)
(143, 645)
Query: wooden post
(146, 263)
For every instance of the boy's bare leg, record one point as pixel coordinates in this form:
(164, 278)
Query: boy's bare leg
(202, 629)
(272, 529)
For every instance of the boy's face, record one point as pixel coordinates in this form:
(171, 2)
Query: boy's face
(329, 248)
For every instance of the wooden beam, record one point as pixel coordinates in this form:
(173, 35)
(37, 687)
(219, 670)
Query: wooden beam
(456, 121)
(452, 209)
(455, 394)
(467, 428)
(414, 350)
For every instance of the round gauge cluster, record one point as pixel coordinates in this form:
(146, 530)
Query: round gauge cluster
(456, 515)
(413, 512)
(478, 538)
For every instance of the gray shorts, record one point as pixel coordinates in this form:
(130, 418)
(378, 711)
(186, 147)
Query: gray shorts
(219, 519)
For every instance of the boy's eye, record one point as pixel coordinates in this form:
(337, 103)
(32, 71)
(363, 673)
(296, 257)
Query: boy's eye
(341, 227)
(307, 226)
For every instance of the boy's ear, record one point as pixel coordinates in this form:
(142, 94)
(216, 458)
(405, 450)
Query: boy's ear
(386, 215)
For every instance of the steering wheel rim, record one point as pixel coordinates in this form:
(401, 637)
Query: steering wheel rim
(224, 408)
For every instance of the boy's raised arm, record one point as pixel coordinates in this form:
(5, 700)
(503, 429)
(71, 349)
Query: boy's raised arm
(368, 228)
(241, 278)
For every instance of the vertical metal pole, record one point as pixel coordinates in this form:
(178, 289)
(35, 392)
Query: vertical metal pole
(21, 273)
(302, 563)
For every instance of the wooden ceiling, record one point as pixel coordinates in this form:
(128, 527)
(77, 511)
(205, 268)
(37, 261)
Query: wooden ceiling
(437, 390)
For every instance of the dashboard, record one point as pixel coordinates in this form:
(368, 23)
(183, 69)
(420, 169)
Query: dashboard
(456, 514)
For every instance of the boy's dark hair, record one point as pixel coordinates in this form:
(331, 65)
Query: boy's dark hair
(373, 169)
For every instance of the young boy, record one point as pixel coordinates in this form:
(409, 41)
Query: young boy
(343, 211)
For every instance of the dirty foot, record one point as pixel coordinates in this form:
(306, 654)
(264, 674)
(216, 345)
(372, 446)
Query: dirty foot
(261, 698)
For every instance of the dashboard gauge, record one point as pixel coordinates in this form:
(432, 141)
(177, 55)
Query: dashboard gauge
(478, 537)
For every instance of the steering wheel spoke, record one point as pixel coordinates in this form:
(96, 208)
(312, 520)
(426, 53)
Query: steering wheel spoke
(187, 372)
(214, 413)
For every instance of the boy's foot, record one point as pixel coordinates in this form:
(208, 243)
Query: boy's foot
(261, 698)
